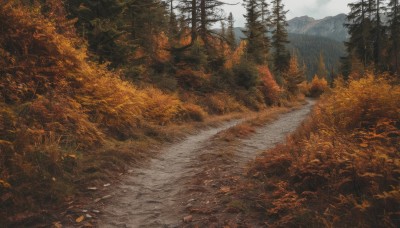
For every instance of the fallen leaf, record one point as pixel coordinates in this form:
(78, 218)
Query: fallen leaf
(80, 219)
(57, 225)
(364, 145)
(71, 156)
(225, 189)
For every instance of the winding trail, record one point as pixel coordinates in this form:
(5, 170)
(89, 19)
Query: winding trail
(273, 133)
(151, 196)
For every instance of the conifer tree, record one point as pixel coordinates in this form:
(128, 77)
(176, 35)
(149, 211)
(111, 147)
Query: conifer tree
(279, 36)
(394, 34)
(359, 25)
(98, 23)
(230, 33)
(293, 76)
(322, 72)
(201, 15)
(378, 35)
(258, 42)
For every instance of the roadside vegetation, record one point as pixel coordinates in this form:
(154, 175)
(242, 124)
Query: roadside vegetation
(340, 169)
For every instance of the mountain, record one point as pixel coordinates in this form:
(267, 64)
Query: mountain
(331, 27)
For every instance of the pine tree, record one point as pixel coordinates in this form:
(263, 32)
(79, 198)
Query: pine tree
(359, 24)
(230, 36)
(201, 15)
(394, 33)
(279, 36)
(98, 23)
(293, 76)
(378, 35)
(258, 42)
(322, 72)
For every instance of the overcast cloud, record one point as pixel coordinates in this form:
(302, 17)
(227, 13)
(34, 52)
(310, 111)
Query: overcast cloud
(314, 8)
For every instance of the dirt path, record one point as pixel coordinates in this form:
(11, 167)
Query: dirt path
(268, 136)
(153, 196)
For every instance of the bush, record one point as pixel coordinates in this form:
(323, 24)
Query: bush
(55, 107)
(221, 103)
(193, 112)
(160, 108)
(341, 168)
(271, 90)
(318, 86)
(246, 74)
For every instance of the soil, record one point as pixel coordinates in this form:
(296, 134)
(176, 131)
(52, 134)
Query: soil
(186, 182)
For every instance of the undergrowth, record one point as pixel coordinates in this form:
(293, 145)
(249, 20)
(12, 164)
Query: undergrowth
(340, 169)
(56, 108)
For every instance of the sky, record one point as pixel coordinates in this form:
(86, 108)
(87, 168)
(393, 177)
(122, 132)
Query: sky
(317, 9)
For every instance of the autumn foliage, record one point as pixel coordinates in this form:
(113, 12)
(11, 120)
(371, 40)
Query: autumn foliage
(340, 169)
(55, 106)
(317, 86)
(271, 90)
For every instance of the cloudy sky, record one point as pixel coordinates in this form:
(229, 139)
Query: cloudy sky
(313, 8)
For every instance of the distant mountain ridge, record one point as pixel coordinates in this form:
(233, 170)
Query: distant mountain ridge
(330, 27)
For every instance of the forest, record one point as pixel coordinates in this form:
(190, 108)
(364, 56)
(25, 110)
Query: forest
(90, 89)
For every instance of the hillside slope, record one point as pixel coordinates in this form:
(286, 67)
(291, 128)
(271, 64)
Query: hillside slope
(309, 48)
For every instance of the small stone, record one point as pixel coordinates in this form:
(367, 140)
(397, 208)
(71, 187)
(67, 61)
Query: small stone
(188, 219)
(84, 211)
(89, 216)
(106, 185)
(96, 211)
(106, 197)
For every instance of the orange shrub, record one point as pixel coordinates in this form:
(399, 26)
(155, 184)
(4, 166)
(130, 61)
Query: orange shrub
(53, 104)
(318, 86)
(191, 79)
(269, 87)
(236, 56)
(192, 111)
(340, 169)
(160, 108)
(221, 103)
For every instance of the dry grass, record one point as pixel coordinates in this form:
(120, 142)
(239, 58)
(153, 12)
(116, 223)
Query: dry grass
(340, 169)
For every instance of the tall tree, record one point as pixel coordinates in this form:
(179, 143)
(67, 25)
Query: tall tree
(98, 23)
(279, 36)
(378, 34)
(394, 33)
(201, 15)
(230, 34)
(293, 76)
(258, 42)
(322, 72)
(359, 25)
